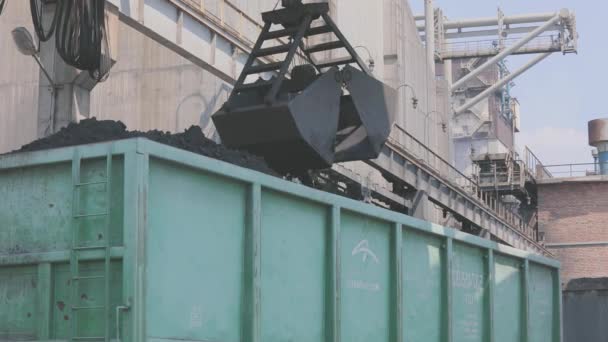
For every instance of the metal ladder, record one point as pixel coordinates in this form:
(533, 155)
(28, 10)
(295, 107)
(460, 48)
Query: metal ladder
(296, 33)
(78, 248)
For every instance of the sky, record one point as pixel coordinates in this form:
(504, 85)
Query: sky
(561, 94)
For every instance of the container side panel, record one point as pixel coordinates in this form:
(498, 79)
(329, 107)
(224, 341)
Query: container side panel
(365, 278)
(508, 294)
(542, 308)
(582, 312)
(294, 234)
(18, 298)
(90, 323)
(195, 254)
(469, 284)
(37, 218)
(424, 296)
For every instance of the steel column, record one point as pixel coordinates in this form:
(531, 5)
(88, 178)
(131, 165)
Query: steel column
(430, 34)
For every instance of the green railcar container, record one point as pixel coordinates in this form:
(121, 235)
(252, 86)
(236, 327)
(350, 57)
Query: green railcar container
(137, 241)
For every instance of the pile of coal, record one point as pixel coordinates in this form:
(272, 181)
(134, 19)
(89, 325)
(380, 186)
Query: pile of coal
(91, 131)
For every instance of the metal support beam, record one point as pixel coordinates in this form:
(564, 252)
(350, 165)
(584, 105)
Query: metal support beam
(501, 83)
(430, 34)
(492, 32)
(507, 52)
(420, 202)
(492, 21)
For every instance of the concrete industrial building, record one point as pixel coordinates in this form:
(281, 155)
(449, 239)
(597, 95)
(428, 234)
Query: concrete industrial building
(176, 61)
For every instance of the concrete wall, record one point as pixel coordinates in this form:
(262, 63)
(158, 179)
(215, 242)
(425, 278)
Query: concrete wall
(406, 63)
(150, 87)
(571, 213)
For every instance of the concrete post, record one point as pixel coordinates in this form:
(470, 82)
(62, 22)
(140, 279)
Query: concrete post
(430, 34)
(69, 100)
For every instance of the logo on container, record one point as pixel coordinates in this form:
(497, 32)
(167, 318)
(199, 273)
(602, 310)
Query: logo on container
(363, 248)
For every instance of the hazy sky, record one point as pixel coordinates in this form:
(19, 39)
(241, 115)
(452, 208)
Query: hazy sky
(562, 93)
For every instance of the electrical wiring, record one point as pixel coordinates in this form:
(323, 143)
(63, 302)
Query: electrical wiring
(36, 7)
(81, 37)
(2, 3)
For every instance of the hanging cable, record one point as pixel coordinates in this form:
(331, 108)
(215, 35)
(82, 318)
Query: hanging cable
(105, 64)
(2, 3)
(81, 36)
(36, 7)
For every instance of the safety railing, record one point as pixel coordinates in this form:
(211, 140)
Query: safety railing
(573, 170)
(491, 46)
(448, 173)
(534, 166)
(437, 163)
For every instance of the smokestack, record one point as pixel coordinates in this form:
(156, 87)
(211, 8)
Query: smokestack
(598, 138)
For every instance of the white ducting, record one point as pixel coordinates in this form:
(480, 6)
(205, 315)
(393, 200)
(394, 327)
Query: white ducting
(483, 95)
(493, 21)
(430, 33)
(506, 52)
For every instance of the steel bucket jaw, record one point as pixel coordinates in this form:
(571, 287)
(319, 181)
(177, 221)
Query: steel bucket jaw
(366, 116)
(296, 132)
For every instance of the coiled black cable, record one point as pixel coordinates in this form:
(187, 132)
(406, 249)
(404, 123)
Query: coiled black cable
(36, 7)
(2, 3)
(81, 37)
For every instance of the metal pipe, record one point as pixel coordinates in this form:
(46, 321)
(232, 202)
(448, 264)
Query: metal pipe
(598, 138)
(448, 73)
(506, 52)
(492, 21)
(430, 34)
(492, 32)
(46, 74)
(501, 83)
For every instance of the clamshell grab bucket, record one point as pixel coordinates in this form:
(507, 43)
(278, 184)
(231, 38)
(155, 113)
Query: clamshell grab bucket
(366, 116)
(304, 113)
(297, 132)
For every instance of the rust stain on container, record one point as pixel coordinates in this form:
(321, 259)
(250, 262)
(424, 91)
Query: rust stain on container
(60, 305)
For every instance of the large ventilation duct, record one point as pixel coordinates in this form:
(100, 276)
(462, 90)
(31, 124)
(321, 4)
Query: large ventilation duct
(598, 138)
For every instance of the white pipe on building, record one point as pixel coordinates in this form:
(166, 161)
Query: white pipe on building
(493, 21)
(501, 83)
(506, 52)
(493, 32)
(447, 70)
(430, 34)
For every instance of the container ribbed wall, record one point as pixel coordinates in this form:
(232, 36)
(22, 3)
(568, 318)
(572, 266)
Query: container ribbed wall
(203, 250)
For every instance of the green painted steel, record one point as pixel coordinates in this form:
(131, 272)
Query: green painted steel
(201, 250)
